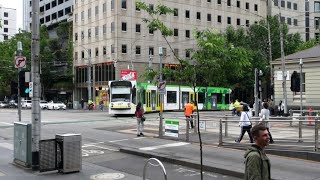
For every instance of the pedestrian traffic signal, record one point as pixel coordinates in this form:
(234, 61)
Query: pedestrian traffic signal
(295, 82)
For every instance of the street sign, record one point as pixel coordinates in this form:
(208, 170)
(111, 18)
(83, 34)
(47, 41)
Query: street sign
(171, 128)
(162, 87)
(30, 89)
(20, 62)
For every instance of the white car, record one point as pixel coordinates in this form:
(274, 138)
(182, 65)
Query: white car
(26, 104)
(56, 105)
(43, 104)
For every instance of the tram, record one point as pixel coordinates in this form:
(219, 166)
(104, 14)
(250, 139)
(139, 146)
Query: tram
(124, 95)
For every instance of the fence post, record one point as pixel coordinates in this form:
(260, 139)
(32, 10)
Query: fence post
(316, 134)
(291, 114)
(220, 133)
(300, 129)
(187, 130)
(226, 127)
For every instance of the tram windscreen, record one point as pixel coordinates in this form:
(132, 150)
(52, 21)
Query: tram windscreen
(120, 93)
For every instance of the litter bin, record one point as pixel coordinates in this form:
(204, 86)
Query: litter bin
(69, 156)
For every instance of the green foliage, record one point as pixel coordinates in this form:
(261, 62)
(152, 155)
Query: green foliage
(308, 44)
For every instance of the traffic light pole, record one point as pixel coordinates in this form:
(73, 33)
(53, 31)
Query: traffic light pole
(19, 48)
(256, 101)
(161, 95)
(301, 63)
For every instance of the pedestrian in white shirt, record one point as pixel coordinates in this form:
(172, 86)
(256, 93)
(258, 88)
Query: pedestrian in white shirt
(264, 119)
(245, 124)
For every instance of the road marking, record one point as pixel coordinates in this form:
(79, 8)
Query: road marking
(7, 145)
(119, 140)
(105, 148)
(10, 124)
(140, 138)
(1, 174)
(164, 146)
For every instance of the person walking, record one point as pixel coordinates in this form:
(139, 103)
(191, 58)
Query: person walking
(257, 163)
(188, 111)
(245, 124)
(82, 103)
(264, 119)
(281, 108)
(101, 105)
(140, 123)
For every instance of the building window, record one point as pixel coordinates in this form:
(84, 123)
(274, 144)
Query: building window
(97, 52)
(41, 20)
(208, 1)
(76, 56)
(47, 18)
(82, 15)
(124, 4)
(187, 53)
(228, 2)
(316, 6)
(67, 10)
(151, 7)
(112, 49)
(138, 9)
(295, 22)
(275, 2)
(76, 17)
(60, 2)
(219, 19)
(187, 33)
(209, 17)
(316, 22)
(124, 49)
(288, 4)
(256, 7)
(89, 13)
(289, 21)
(138, 50)
(151, 51)
(48, 6)
(247, 5)
(176, 52)
(104, 29)
(175, 12)
(124, 26)
(175, 32)
(112, 27)
(5, 29)
(75, 36)
(89, 52)
(89, 33)
(283, 19)
(82, 55)
(229, 20)
(295, 6)
(238, 4)
(104, 50)
(198, 15)
(96, 10)
(151, 31)
(112, 4)
(247, 23)
(283, 4)
(96, 30)
(60, 13)
(219, 2)
(238, 21)
(5, 22)
(104, 8)
(82, 34)
(138, 28)
(187, 14)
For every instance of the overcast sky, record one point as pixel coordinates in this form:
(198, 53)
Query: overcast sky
(15, 4)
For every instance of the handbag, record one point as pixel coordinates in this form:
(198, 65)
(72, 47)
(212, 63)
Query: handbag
(143, 118)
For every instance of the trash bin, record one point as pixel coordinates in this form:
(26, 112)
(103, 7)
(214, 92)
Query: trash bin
(69, 156)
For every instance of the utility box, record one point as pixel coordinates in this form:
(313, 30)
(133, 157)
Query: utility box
(22, 144)
(69, 155)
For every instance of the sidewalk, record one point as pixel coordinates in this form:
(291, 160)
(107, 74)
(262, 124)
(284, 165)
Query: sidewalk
(10, 171)
(219, 160)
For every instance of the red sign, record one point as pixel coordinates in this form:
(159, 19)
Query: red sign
(128, 75)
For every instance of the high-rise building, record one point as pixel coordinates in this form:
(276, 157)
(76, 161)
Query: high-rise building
(51, 12)
(8, 18)
(112, 34)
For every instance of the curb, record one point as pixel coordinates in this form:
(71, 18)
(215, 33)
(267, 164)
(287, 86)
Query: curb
(186, 162)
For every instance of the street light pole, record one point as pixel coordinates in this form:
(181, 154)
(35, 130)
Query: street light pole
(35, 64)
(301, 63)
(270, 57)
(89, 76)
(161, 95)
(19, 49)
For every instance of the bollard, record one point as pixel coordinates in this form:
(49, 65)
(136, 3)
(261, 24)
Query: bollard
(187, 130)
(220, 133)
(300, 130)
(316, 134)
(226, 127)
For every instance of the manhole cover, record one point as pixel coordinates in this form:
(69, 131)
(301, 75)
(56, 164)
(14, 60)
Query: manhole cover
(107, 176)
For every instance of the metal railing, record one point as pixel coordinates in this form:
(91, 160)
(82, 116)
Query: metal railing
(155, 165)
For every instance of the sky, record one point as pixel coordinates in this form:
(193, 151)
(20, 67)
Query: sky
(15, 4)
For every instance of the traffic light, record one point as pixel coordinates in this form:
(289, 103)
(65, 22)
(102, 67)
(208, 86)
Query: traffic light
(295, 82)
(14, 87)
(259, 75)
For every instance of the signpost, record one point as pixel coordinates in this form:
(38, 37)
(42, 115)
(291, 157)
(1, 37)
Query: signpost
(30, 89)
(171, 128)
(162, 87)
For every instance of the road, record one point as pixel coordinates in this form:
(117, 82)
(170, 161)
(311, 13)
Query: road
(99, 133)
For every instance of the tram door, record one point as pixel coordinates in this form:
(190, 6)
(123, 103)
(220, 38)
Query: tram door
(148, 104)
(184, 99)
(213, 101)
(153, 100)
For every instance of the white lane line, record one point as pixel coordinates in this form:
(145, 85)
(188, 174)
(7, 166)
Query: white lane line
(105, 148)
(164, 146)
(10, 124)
(140, 138)
(119, 140)
(7, 145)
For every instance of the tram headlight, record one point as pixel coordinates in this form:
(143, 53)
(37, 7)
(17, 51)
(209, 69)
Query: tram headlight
(129, 104)
(111, 104)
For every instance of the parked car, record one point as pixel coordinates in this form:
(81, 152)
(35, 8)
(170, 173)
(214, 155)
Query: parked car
(3, 104)
(12, 104)
(26, 104)
(56, 105)
(43, 104)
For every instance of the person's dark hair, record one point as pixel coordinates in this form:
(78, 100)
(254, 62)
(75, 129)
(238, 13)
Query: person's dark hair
(138, 106)
(255, 131)
(245, 108)
(265, 105)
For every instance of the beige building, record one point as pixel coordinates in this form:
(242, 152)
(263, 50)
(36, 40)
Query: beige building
(311, 78)
(114, 34)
